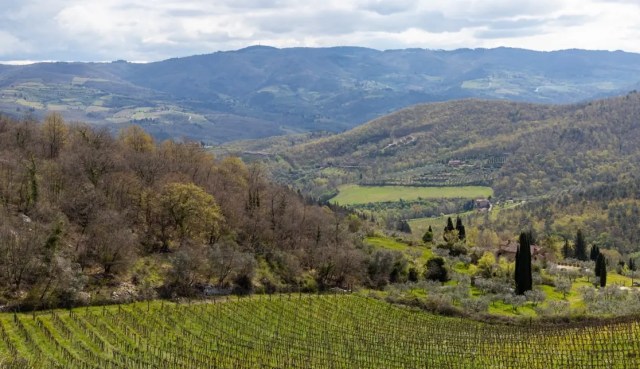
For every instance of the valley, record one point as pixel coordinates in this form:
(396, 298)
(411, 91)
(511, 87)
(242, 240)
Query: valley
(414, 214)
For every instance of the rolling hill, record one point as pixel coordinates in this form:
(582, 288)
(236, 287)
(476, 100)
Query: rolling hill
(521, 150)
(263, 91)
(575, 165)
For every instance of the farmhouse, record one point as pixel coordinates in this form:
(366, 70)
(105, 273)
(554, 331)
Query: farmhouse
(509, 248)
(482, 205)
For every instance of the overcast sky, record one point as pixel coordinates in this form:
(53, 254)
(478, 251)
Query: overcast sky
(148, 30)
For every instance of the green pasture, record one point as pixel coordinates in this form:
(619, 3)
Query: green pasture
(356, 194)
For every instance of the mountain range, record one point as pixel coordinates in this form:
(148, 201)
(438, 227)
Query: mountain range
(263, 91)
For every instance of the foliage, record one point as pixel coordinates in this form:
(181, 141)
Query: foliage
(80, 211)
(601, 270)
(523, 276)
(427, 237)
(435, 270)
(580, 246)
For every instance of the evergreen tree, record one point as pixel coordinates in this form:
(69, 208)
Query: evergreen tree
(598, 267)
(632, 265)
(448, 229)
(460, 229)
(523, 277)
(427, 237)
(601, 270)
(566, 250)
(403, 226)
(595, 251)
(580, 246)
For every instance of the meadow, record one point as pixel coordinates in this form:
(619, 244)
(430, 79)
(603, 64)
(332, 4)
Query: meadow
(355, 194)
(301, 331)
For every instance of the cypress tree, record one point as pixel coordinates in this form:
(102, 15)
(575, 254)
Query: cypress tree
(517, 275)
(524, 280)
(580, 246)
(595, 251)
(460, 229)
(449, 227)
(566, 250)
(403, 226)
(602, 271)
(447, 230)
(598, 267)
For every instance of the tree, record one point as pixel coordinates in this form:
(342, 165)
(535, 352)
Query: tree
(595, 251)
(523, 277)
(435, 270)
(601, 270)
(535, 296)
(448, 234)
(566, 249)
(460, 229)
(54, 130)
(427, 237)
(137, 139)
(563, 286)
(186, 211)
(403, 226)
(580, 246)
(487, 264)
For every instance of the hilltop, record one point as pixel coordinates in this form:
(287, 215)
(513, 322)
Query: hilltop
(264, 91)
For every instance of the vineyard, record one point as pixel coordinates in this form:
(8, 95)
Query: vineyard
(300, 331)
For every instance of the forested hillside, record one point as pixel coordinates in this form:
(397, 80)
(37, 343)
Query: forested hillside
(520, 150)
(264, 91)
(89, 218)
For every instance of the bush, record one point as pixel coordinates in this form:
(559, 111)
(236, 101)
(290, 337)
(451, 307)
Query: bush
(435, 270)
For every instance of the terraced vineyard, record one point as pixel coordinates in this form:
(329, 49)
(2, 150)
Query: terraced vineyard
(300, 332)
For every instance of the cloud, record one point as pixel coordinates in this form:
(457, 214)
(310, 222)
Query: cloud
(153, 30)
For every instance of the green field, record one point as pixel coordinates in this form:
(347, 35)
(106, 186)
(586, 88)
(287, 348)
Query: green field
(424, 252)
(355, 194)
(301, 331)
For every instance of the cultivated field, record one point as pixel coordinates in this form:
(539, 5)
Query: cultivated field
(355, 194)
(342, 331)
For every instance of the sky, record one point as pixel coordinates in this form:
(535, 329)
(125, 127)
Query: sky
(151, 30)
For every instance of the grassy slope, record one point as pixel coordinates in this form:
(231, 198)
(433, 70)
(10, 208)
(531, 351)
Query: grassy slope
(354, 194)
(390, 244)
(299, 331)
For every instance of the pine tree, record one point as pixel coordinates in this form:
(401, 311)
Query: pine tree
(632, 265)
(523, 278)
(580, 246)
